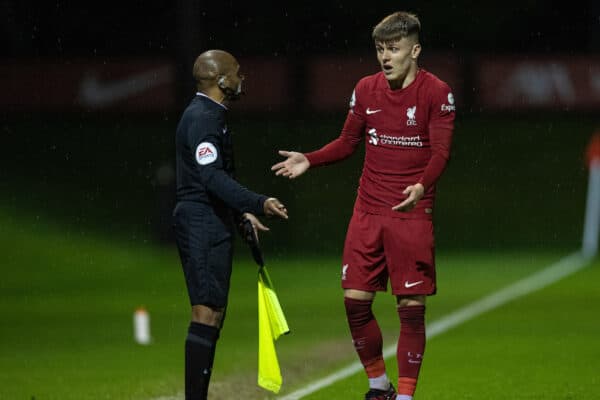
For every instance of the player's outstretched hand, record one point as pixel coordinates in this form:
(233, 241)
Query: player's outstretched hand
(273, 207)
(414, 194)
(294, 165)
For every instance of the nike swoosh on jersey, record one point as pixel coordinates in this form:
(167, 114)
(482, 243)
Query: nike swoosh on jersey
(408, 285)
(369, 111)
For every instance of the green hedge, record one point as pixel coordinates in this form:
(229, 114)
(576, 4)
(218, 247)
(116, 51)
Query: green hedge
(513, 181)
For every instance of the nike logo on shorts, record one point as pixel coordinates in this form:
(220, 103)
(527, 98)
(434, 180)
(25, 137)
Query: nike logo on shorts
(408, 284)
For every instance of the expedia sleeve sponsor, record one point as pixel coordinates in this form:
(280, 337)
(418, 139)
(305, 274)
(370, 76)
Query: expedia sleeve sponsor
(449, 105)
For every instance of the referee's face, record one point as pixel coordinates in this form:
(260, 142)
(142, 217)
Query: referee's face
(234, 81)
(237, 78)
(231, 82)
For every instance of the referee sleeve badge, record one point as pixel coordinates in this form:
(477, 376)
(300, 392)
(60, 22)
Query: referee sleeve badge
(206, 153)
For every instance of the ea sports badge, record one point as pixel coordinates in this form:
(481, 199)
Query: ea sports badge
(206, 153)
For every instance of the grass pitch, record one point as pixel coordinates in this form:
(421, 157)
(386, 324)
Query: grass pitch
(67, 300)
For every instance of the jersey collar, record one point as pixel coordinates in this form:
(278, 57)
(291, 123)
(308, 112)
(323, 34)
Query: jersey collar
(203, 95)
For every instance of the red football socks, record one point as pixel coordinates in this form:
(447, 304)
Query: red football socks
(366, 335)
(411, 346)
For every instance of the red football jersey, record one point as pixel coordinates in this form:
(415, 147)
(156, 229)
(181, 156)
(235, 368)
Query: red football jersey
(407, 134)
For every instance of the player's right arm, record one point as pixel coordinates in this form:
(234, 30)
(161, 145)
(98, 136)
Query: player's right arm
(293, 166)
(339, 149)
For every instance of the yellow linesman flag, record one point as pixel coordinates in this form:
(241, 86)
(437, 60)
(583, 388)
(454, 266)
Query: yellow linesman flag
(271, 325)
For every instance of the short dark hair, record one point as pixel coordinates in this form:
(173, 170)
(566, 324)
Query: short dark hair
(396, 26)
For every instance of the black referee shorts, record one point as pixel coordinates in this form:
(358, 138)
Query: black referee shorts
(204, 240)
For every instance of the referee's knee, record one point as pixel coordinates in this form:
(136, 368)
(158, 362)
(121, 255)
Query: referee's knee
(207, 315)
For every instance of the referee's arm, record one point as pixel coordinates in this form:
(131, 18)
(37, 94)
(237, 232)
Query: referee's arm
(216, 180)
(231, 192)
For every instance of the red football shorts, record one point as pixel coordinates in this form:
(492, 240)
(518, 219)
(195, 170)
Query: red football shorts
(379, 247)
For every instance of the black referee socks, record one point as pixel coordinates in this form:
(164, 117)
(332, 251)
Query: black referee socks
(199, 356)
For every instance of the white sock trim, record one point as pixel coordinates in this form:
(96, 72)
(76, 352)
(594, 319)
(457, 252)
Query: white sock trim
(381, 382)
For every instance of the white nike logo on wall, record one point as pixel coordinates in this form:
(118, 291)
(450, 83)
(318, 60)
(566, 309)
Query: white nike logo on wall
(369, 111)
(408, 284)
(94, 93)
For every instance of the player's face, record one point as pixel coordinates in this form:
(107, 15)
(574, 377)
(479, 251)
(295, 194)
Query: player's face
(397, 57)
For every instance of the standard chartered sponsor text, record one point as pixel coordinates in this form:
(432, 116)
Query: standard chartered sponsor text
(410, 141)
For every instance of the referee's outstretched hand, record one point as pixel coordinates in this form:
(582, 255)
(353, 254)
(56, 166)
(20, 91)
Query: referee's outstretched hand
(273, 207)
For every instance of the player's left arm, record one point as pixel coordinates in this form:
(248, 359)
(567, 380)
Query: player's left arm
(441, 126)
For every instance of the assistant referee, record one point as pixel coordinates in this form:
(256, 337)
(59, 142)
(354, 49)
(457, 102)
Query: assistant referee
(210, 202)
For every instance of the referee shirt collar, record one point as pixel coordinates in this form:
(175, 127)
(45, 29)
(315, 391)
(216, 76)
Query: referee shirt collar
(203, 95)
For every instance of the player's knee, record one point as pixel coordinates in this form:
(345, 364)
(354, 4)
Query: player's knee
(358, 311)
(412, 319)
(408, 301)
(359, 294)
(207, 315)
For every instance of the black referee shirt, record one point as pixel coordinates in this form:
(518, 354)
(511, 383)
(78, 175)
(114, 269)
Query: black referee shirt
(204, 153)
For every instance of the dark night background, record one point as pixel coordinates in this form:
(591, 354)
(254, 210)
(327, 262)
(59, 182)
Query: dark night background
(90, 97)
(107, 171)
(111, 29)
